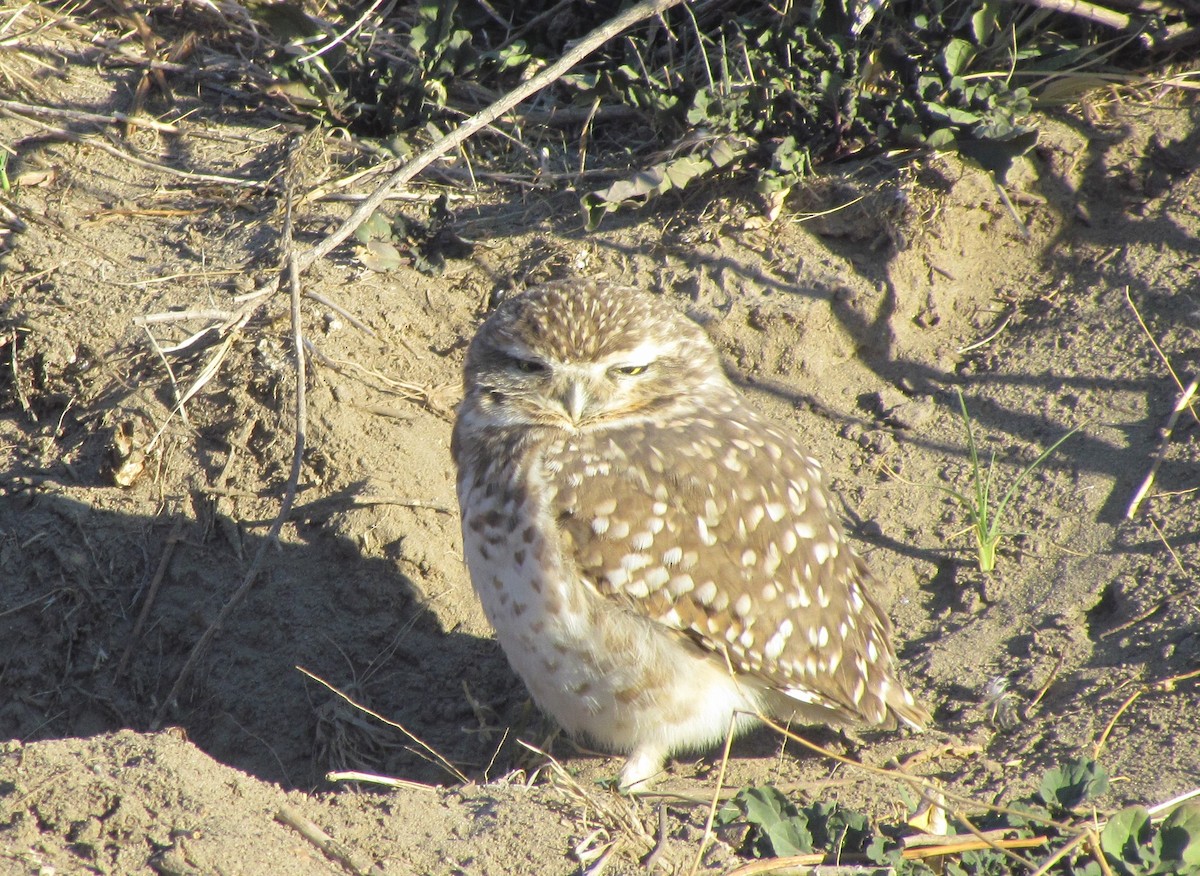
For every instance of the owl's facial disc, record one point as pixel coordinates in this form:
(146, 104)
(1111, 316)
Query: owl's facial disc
(569, 357)
(555, 388)
(580, 394)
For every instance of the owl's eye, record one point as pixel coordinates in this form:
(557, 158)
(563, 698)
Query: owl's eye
(527, 366)
(630, 370)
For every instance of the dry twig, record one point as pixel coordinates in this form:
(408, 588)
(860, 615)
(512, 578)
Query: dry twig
(1184, 401)
(483, 118)
(435, 756)
(173, 538)
(332, 849)
(285, 506)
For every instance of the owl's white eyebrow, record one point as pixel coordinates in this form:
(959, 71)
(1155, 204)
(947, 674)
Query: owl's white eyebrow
(643, 354)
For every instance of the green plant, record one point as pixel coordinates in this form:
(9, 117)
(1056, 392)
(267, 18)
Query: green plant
(1128, 844)
(389, 244)
(739, 87)
(779, 827)
(986, 522)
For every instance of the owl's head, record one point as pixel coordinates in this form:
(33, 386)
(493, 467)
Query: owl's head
(581, 355)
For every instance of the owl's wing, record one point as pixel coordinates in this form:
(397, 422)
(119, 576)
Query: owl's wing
(720, 526)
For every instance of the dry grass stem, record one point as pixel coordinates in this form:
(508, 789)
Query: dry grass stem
(1184, 401)
(210, 369)
(1044, 689)
(1159, 810)
(1082, 9)
(341, 311)
(998, 845)
(330, 847)
(173, 538)
(115, 118)
(435, 756)
(426, 396)
(99, 143)
(1186, 395)
(170, 374)
(179, 315)
(299, 437)
(1165, 685)
(616, 812)
(917, 783)
(1009, 313)
(1098, 852)
(1163, 538)
(347, 32)
(374, 779)
(716, 798)
(774, 865)
(1061, 853)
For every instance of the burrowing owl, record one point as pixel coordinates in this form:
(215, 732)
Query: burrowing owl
(657, 558)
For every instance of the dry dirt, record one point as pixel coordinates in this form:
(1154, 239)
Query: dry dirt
(853, 328)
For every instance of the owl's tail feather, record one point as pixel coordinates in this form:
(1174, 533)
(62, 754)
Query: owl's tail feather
(902, 704)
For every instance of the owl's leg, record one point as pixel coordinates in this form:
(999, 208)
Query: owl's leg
(642, 769)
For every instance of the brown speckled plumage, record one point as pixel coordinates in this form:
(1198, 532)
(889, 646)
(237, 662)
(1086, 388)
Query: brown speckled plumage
(636, 531)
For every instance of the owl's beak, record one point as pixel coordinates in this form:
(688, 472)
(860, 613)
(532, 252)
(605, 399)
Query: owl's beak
(575, 400)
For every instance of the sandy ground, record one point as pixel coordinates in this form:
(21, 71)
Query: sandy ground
(854, 329)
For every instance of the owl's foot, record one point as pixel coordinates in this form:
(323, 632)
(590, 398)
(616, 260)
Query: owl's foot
(642, 769)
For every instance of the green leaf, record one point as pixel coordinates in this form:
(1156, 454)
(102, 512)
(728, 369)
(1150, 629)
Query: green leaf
(777, 827)
(660, 179)
(788, 837)
(953, 115)
(381, 256)
(1180, 834)
(1125, 833)
(376, 227)
(1066, 787)
(942, 138)
(957, 55)
(983, 23)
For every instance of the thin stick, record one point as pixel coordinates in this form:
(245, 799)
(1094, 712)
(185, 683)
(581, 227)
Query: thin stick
(373, 779)
(1009, 313)
(1081, 9)
(991, 843)
(1028, 710)
(1008, 205)
(345, 34)
(1098, 852)
(289, 496)
(1162, 536)
(164, 562)
(103, 146)
(170, 374)
(912, 781)
(1060, 854)
(341, 311)
(1161, 354)
(179, 316)
(331, 848)
(957, 847)
(1108, 728)
(1158, 808)
(770, 865)
(483, 118)
(78, 116)
(433, 753)
(1164, 442)
(716, 798)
